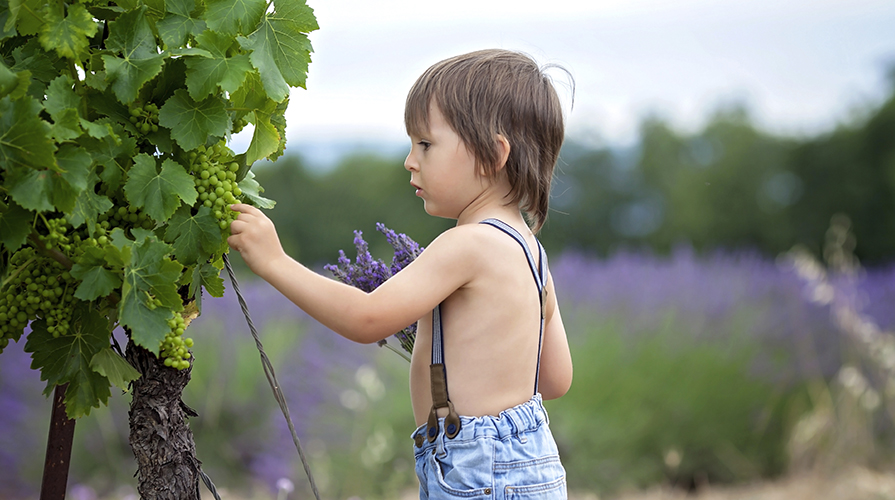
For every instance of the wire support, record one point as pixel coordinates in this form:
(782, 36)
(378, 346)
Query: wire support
(272, 379)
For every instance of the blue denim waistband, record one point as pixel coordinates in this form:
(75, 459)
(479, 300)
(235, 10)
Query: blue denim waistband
(525, 417)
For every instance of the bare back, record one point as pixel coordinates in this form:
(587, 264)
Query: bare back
(491, 331)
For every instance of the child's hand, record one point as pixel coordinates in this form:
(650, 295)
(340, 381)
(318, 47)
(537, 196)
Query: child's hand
(254, 236)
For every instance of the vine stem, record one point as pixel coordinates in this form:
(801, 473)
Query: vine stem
(50, 252)
(16, 272)
(399, 353)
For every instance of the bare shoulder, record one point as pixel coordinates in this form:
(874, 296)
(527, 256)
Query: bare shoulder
(455, 255)
(467, 252)
(465, 241)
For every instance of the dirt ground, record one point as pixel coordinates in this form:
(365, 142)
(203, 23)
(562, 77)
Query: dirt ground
(854, 484)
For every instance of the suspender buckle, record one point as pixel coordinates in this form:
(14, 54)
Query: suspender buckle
(438, 378)
(451, 424)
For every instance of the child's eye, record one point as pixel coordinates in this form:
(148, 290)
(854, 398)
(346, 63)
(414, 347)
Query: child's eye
(425, 145)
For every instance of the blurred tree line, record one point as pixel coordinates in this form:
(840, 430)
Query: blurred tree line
(730, 185)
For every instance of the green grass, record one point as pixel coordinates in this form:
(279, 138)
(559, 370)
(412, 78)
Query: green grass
(666, 408)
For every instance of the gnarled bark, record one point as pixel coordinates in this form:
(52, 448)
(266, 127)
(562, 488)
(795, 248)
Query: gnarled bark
(167, 468)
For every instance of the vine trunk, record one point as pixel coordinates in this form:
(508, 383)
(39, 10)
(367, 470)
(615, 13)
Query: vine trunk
(167, 468)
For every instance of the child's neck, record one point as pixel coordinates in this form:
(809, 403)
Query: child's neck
(500, 210)
(493, 203)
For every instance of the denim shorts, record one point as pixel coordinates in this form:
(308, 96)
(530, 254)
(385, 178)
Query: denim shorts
(511, 456)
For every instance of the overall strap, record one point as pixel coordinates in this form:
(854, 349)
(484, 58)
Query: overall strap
(538, 271)
(438, 380)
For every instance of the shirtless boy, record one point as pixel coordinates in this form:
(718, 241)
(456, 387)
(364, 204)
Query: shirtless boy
(486, 129)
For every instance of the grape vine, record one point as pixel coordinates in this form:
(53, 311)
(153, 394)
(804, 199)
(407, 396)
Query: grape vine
(116, 171)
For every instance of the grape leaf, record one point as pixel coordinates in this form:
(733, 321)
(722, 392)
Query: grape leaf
(60, 188)
(28, 16)
(40, 190)
(97, 80)
(69, 35)
(190, 51)
(105, 103)
(89, 205)
(192, 122)
(31, 188)
(149, 274)
(119, 253)
(251, 94)
(74, 163)
(24, 137)
(66, 126)
(205, 75)
(208, 276)
(132, 36)
(61, 96)
(98, 129)
(231, 17)
(280, 48)
(127, 5)
(113, 153)
(7, 22)
(265, 139)
(66, 359)
(179, 23)
(8, 79)
(278, 120)
(155, 9)
(194, 237)
(15, 226)
(171, 79)
(13, 84)
(32, 57)
(112, 366)
(252, 190)
(159, 193)
(96, 279)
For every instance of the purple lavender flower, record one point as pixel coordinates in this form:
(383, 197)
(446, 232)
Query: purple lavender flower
(368, 273)
(405, 248)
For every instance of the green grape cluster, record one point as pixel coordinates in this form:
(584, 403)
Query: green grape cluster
(175, 347)
(57, 236)
(215, 178)
(122, 217)
(38, 287)
(145, 117)
(238, 125)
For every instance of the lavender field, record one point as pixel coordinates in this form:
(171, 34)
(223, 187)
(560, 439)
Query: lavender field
(688, 369)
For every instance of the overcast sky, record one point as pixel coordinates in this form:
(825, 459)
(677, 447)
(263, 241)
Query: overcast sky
(800, 65)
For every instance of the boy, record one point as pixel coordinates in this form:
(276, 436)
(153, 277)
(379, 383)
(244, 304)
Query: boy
(486, 129)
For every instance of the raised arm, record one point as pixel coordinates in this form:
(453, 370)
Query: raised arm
(354, 314)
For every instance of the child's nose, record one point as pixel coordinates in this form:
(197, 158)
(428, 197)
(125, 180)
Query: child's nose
(409, 162)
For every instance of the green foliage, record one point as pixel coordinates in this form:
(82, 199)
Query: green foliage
(729, 185)
(67, 359)
(112, 116)
(665, 409)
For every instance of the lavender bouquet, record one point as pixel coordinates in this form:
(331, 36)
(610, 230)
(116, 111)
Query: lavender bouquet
(367, 273)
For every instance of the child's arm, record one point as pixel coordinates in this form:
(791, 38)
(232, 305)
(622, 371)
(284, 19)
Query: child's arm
(556, 361)
(359, 316)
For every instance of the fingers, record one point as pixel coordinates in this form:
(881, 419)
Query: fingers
(232, 241)
(245, 209)
(246, 213)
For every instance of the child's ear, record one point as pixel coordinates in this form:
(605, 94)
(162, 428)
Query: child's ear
(503, 151)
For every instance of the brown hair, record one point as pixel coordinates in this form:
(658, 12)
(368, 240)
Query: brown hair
(491, 92)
